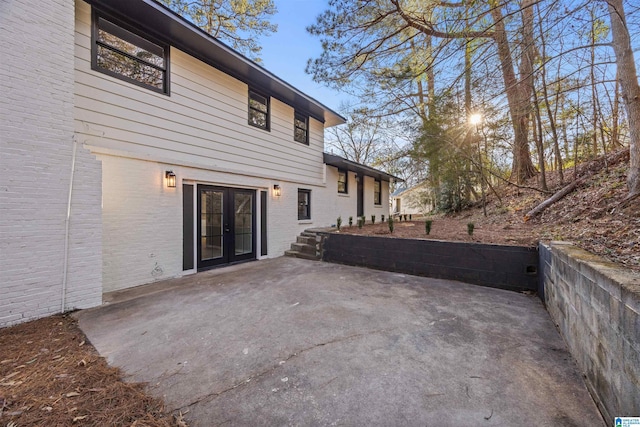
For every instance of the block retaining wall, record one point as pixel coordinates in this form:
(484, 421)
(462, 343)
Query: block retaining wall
(596, 306)
(497, 266)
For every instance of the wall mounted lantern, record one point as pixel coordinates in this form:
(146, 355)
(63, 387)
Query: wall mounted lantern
(171, 179)
(276, 190)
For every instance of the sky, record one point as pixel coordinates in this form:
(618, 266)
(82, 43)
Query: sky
(286, 52)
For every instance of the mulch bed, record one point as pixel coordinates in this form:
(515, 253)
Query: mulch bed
(50, 375)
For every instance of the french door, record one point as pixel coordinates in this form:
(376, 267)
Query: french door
(226, 225)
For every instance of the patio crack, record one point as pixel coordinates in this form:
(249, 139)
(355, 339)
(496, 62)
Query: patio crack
(216, 394)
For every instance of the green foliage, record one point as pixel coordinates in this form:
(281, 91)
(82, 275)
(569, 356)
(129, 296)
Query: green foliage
(350, 221)
(427, 226)
(445, 145)
(339, 222)
(360, 221)
(238, 23)
(470, 227)
(373, 219)
(382, 218)
(390, 223)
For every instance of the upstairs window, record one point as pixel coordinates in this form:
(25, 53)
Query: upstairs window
(128, 56)
(377, 192)
(304, 204)
(342, 181)
(301, 128)
(258, 110)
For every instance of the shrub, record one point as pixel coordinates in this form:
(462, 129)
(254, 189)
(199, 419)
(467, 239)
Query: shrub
(427, 226)
(350, 221)
(382, 218)
(405, 217)
(339, 222)
(360, 221)
(390, 224)
(373, 219)
(409, 217)
(470, 227)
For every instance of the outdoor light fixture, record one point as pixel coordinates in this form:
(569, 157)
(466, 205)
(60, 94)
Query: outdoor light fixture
(171, 179)
(276, 190)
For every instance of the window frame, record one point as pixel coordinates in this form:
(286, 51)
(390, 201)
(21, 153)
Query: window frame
(267, 114)
(378, 183)
(134, 36)
(298, 116)
(308, 214)
(346, 181)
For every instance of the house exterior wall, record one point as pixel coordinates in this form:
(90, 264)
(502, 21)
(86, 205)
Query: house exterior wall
(411, 201)
(201, 132)
(203, 123)
(36, 145)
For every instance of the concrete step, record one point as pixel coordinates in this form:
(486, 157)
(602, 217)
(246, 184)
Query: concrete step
(306, 240)
(301, 255)
(308, 234)
(304, 248)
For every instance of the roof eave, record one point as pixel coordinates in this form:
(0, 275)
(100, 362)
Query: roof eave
(172, 29)
(342, 163)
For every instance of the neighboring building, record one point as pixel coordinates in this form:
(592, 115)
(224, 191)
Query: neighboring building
(135, 147)
(416, 200)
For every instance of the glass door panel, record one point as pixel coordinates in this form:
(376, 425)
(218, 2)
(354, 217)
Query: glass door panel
(243, 222)
(211, 224)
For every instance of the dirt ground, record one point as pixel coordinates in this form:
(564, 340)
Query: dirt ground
(594, 217)
(51, 376)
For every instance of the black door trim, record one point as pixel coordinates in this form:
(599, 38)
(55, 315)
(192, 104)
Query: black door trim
(228, 226)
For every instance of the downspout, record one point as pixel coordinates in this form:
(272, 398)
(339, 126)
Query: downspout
(66, 230)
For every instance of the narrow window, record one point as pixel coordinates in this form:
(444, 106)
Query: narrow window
(258, 110)
(377, 199)
(128, 56)
(342, 181)
(301, 128)
(304, 204)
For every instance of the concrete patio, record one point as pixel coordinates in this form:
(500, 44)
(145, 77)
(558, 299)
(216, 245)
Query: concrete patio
(295, 342)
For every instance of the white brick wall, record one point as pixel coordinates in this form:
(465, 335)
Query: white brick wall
(36, 144)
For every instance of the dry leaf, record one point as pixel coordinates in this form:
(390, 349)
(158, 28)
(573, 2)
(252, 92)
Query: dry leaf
(80, 418)
(72, 394)
(81, 344)
(82, 363)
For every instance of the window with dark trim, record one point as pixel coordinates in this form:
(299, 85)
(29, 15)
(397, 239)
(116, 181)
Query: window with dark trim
(258, 110)
(128, 56)
(342, 181)
(304, 204)
(377, 192)
(301, 128)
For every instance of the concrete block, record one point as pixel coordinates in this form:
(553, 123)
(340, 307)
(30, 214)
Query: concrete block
(631, 327)
(630, 398)
(615, 314)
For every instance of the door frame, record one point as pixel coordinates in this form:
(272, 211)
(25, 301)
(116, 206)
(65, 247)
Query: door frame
(228, 238)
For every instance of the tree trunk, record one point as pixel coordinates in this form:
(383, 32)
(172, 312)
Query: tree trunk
(518, 98)
(545, 94)
(630, 90)
(540, 144)
(551, 200)
(614, 115)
